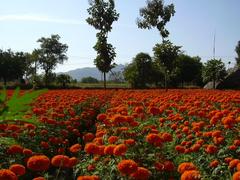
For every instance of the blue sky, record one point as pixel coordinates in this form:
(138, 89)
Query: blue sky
(193, 26)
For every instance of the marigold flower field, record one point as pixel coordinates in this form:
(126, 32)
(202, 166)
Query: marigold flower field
(125, 134)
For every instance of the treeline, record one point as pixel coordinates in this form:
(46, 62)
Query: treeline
(24, 67)
(170, 67)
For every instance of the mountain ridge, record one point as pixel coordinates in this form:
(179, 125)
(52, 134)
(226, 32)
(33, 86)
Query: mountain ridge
(80, 73)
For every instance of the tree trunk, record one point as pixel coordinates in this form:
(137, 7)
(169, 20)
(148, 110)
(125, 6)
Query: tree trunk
(104, 79)
(165, 80)
(5, 82)
(214, 82)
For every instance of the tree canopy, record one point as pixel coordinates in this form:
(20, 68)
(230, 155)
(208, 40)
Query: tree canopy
(214, 70)
(156, 14)
(51, 53)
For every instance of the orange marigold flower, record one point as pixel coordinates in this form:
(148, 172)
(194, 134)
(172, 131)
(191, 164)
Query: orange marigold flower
(109, 149)
(75, 148)
(211, 149)
(195, 147)
(130, 142)
(167, 137)
(27, 152)
(180, 149)
(154, 139)
(238, 167)
(232, 147)
(14, 149)
(168, 166)
(233, 163)
(228, 159)
(6, 174)
(101, 117)
(39, 178)
(91, 148)
(120, 150)
(91, 167)
(127, 167)
(214, 163)
(186, 166)
(112, 139)
(236, 176)
(191, 175)
(18, 169)
(88, 137)
(141, 174)
(94, 177)
(38, 163)
(60, 161)
(72, 162)
(159, 166)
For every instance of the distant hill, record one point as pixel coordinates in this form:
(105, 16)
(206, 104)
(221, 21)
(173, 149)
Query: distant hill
(90, 71)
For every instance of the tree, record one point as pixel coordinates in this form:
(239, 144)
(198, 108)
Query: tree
(102, 15)
(51, 53)
(63, 79)
(214, 70)
(12, 65)
(189, 68)
(89, 79)
(140, 72)
(237, 49)
(165, 54)
(155, 14)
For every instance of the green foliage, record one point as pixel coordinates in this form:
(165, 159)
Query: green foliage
(237, 49)
(51, 53)
(155, 14)
(12, 65)
(214, 70)
(18, 105)
(140, 72)
(63, 79)
(7, 141)
(105, 54)
(89, 79)
(189, 68)
(165, 55)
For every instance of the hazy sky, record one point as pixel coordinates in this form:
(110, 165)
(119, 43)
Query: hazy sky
(23, 22)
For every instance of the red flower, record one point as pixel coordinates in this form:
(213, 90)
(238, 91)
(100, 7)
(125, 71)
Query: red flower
(120, 150)
(6, 174)
(27, 152)
(60, 161)
(38, 163)
(154, 139)
(109, 149)
(191, 175)
(72, 162)
(18, 169)
(167, 137)
(94, 177)
(14, 149)
(236, 176)
(112, 139)
(141, 174)
(186, 166)
(39, 178)
(127, 167)
(75, 148)
(211, 149)
(91, 148)
(168, 166)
